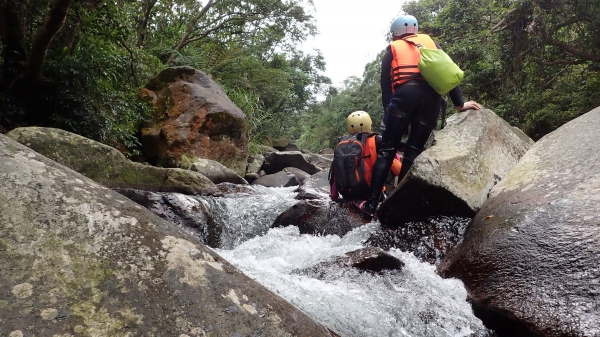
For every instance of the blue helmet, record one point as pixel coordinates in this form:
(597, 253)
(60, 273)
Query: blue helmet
(405, 24)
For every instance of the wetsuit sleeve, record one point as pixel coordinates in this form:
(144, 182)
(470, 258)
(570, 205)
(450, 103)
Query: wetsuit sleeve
(456, 96)
(456, 93)
(386, 78)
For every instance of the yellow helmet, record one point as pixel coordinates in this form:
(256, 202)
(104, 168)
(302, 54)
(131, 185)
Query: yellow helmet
(358, 121)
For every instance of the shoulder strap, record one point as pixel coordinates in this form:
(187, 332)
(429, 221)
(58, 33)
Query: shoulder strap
(373, 136)
(418, 45)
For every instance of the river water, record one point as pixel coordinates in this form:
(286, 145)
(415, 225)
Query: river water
(412, 302)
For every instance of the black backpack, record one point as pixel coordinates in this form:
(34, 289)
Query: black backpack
(349, 168)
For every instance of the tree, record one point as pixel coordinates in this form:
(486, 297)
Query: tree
(534, 62)
(16, 60)
(78, 64)
(246, 22)
(142, 21)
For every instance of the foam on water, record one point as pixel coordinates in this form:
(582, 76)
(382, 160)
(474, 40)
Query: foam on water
(412, 302)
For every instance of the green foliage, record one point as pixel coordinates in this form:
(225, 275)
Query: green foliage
(106, 51)
(260, 122)
(94, 97)
(325, 122)
(533, 62)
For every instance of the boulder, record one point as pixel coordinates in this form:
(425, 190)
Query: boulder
(369, 259)
(81, 259)
(292, 147)
(194, 118)
(254, 164)
(181, 210)
(522, 135)
(320, 217)
(300, 175)
(216, 172)
(279, 179)
(471, 154)
(280, 143)
(315, 186)
(277, 161)
(321, 161)
(106, 165)
(531, 258)
(429, 240)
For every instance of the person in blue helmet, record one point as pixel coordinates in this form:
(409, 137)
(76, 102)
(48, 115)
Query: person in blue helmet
(408, 100)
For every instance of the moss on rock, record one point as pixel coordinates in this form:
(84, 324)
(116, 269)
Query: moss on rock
(107, 165)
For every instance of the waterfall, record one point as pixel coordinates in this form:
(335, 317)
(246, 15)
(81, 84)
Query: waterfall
(414, 301)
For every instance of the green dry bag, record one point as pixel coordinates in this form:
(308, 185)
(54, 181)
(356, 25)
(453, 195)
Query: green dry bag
(438, 69)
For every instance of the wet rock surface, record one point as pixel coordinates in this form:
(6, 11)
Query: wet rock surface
(314, 187)
(370, 259)
(531, 258)
(185, 211)
(81, 259)
(320, 217)
(429, 239)
(453, 177)
(279, 179)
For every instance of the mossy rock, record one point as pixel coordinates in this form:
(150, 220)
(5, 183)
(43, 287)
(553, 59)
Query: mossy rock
(106, 165)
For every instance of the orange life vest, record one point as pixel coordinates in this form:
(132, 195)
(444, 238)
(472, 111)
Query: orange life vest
(370, 160)
(406, 58)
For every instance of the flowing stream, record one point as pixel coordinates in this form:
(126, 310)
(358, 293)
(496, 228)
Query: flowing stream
(412, 302)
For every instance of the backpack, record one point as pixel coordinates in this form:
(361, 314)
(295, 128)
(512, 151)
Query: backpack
(349, 168)
(438, 69)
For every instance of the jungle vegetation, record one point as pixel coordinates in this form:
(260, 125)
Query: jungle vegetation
(78, 65)
(536, 63)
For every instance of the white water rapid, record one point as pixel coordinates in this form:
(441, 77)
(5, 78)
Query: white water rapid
(412, 302)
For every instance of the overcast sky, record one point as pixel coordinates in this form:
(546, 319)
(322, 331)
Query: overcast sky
(351, 34)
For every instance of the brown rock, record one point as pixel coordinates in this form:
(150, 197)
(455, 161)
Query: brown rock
(194, 119)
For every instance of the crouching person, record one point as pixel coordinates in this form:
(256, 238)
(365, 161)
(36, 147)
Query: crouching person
(353, 160)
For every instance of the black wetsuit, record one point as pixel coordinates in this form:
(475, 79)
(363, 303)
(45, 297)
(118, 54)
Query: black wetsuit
(413, 103)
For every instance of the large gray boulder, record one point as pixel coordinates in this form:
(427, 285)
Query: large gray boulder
(315, 186)
(106, 165)
(216, 172)
(254, 164)
(309, 163)
(532, 253)
(454, 176)
(321, 161)
(80, 259)
(279, 179)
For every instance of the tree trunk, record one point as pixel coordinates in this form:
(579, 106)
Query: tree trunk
(43, 38)
(13, 52)
(143, 19)
(190, 29)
